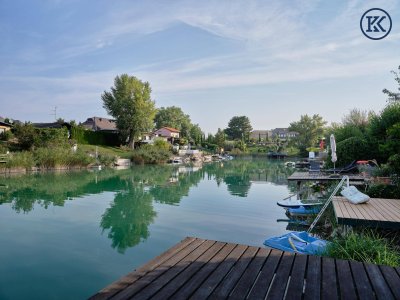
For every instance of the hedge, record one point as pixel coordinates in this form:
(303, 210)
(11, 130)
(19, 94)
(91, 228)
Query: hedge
(102, 138)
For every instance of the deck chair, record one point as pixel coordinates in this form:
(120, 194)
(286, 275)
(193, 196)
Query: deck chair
(315, 167)
(350, 168)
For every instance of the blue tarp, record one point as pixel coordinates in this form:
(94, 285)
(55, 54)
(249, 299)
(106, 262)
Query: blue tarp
(299, 242)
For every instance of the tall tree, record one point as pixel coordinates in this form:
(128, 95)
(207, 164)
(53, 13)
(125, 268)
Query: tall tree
(357, 117)
(220, 138)
(239, 128)
(174, 117)
(130, 104)
(196, 134)
(394, 96)
(310, 129)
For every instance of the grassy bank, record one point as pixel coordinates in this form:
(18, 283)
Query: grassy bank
(366, 246)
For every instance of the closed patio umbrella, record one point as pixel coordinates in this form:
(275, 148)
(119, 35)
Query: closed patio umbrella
(333, 151)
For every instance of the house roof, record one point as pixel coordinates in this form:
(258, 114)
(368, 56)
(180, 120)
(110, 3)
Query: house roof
(171, 129)
(52, 125)
(99, 123)
(5, 124)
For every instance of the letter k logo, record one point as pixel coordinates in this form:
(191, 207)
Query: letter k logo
(375, 19)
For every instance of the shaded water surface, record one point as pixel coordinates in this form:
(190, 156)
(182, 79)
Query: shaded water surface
(67, 235)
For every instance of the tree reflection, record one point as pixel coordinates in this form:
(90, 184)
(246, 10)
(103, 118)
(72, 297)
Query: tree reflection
(128, 217)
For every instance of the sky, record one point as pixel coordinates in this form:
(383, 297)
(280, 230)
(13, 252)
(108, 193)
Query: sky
(272, 61)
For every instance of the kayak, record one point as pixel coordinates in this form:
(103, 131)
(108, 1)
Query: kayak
(298, 242)
(303, 211)
(290, 203)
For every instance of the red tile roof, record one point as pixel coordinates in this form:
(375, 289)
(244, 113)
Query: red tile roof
(171, 129)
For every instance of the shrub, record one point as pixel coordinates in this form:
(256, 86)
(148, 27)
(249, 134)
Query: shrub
(354, 148)
(25, 134)
(106, 159)
(149, 154)
(383, 191)
(20, 160)
(6, 135)
(61, 157)
(162, 144)
(368, 247)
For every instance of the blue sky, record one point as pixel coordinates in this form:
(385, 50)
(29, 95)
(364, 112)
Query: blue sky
(269, 60)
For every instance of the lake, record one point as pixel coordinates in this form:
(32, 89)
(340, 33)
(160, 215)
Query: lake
(67, 235)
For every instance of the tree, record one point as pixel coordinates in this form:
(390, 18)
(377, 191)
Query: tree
(196, 134)
(219, 138)
(239, 128)
(130, 104)
(357, 117)
(174, 117)
(309, 130)
(394, 96)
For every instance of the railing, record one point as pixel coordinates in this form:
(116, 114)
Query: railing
(345, 178)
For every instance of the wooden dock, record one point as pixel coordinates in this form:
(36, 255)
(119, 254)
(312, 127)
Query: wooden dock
(200, 269)
(306, 176)
(377, 213)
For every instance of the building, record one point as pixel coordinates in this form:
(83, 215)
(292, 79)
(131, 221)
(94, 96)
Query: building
(167, 132)
(4, 127)
(283, 133)
(261, 135)
(100, 124)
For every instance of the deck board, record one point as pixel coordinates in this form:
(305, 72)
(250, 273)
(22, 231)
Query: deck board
(377, 213)
(306, 176)
(200, 269)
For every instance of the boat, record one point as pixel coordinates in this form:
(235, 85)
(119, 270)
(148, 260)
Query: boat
(276, 155)
(289, 203)
(290, 164)
(298, 242)
(303, 211)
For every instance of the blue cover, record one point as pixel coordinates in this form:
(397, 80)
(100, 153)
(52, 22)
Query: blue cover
(304, 211)
(299, 242)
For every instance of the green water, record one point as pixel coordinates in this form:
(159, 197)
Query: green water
(67, 235)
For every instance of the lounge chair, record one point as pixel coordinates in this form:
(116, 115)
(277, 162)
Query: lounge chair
(350, 168)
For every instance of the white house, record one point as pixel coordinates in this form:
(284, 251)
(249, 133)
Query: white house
(167, 132)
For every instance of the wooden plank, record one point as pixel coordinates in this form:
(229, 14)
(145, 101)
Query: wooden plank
(296, 284)
(329, 284)
(175, 284)
(228, 283)
(246, 281)
(387, 210)
(345, 280)
(278, 286)
(220, 272)
(203, 273)
(392, 279)
(162, 280)
(145, 280)
(130, 278)
(313, 279)
(263, 281)
(364, 289)
(382, 290)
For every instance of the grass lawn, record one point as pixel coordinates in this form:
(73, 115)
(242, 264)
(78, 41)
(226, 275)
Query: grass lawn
(123, 153)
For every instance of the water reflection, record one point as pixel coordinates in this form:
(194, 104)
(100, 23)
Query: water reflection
(126, 222)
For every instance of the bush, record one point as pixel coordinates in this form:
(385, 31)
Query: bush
(83, 136)
(20, 160)
(366, 247)
(25, 134)
(106, 159)
(6, 135)
(162, 144)
(354, 148)
(383, 191)
(148, 154)
(61, 157)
